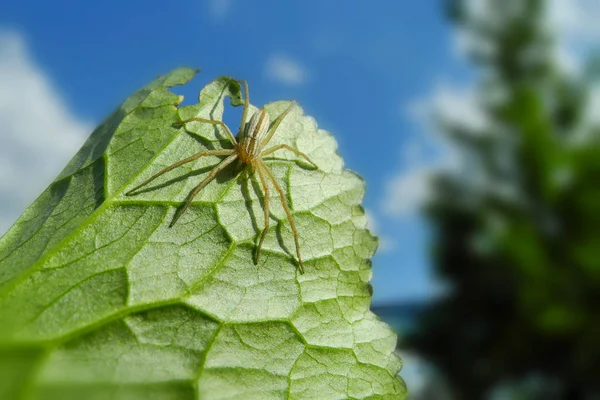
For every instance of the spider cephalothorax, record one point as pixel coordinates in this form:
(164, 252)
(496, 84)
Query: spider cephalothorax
(248, 149)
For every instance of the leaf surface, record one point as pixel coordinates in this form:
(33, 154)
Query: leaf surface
(100, 298)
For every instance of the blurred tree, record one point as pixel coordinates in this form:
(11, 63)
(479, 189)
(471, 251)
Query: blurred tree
(517, 226)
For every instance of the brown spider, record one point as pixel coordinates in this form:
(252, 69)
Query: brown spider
(248, 149)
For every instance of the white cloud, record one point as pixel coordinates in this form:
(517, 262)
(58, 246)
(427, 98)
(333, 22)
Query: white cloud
(219, 9)
(566, 59)
(453, 104)
(422, 156)
(573, 24)
(407, 191)
(577, 30)
(284, 69)
(576, 19)
(38, 133)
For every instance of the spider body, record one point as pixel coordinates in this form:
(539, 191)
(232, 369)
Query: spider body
(249, 144)
(248, 150)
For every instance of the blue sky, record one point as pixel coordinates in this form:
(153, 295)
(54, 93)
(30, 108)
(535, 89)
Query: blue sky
(365, 73)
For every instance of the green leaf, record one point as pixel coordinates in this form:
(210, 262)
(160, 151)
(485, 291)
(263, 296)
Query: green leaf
(100, 298)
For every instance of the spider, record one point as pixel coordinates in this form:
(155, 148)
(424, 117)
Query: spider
(248, 149)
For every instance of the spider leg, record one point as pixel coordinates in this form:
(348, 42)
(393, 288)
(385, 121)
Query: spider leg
(246, 104)
(286, 209)
(226, 152)
(266, 208)
(198, 188)
(290, 148)
(276, 124)
(212, 122)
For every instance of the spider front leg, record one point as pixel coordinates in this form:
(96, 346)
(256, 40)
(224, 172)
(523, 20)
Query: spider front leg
(290, 148)
(246, 103)
(196, 156)
(276, 124)
(288, 213)
(211, 122)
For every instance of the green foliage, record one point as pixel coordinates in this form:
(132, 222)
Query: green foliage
(517, 235)
(99, 298)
